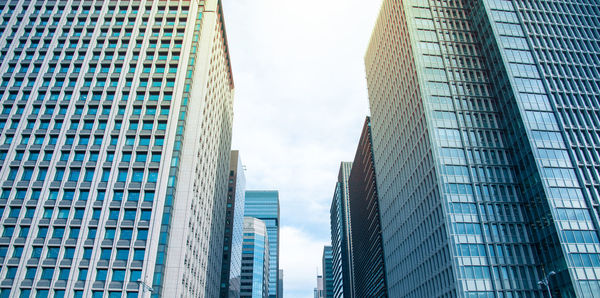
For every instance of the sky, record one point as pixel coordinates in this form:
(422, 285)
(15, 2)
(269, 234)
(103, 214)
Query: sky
(300, 104)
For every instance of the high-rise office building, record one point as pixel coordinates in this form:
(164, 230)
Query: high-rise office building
(280, 284)
(264, 205)
(115, 138)
(319, 289)
(341, 244)
(367, 249)
(255, 259)
(484, 127)
(327, 264)
(234, 225)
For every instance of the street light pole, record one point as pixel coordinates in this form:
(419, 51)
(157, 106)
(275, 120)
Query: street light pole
(546, 282)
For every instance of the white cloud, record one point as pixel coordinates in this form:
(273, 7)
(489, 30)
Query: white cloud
(300, 259)
(300, 104)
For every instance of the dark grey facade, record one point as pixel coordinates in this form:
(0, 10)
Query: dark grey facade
(341, 241)
(234, 225)
(327, 264)
(367, 245)
(486, 146)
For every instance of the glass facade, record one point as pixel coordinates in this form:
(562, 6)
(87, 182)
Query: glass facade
(484, 116)
(234, 224)
(327, 272)
(264, 205)
(367, 250)
(255, 259)
(340, 235)
(94, 138)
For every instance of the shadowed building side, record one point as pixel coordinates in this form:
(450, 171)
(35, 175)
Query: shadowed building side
(367, 246)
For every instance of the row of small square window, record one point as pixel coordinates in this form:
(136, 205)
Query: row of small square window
(49, 273)
(104, 68)
(122, 254)
(96, 96)
(59, 232)
(91, 110)
(137, 175)
(126, 156)
(84, 140)
(147, 125)
(44, 293)
(69, 195)
(65, 213)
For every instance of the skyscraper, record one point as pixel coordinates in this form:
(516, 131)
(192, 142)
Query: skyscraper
(319, 289)
(484, 119)
(264, 205)
(367, 250)
(280, 284)
(327, 271)
(115, 138)
(255, 259)
(234, 225)
(340, 235)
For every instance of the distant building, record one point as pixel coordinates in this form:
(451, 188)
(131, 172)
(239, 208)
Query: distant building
(327, 272)
(280, 284)
(341, 241)
(319, 288)
(255, 260)
(264, 205)
(367, 246)
(234, 225)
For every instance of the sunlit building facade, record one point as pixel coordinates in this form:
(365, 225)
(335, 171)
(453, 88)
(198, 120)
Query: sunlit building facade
(115, 133)
(264, 205)
(484, 123)
(234, 225)
(255, 259)
(341, 244)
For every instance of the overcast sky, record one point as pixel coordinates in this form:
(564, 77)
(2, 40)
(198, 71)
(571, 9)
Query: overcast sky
(300, 103)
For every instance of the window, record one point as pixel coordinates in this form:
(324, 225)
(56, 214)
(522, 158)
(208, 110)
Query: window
(138, 176)
(52, 252)
(118, 275)
(138, 254)
(30, 273)
(101, 275)
(122, 177)
(142, 234)
(47, 273)
(122, 254)
(74, 233)
(105, 254)
(129, 215)
(82, 274)
(58, 232)
(110, 233)
(68, 253)
(126, 234)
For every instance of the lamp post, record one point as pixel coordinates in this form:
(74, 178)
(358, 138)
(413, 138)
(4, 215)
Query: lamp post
(145, 287)
(546, 282)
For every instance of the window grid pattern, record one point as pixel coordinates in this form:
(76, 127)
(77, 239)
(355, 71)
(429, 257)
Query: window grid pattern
(554, 80)
(340, 235)
(413, 225)
(492, 249)
(264, 205)
(85, 113)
